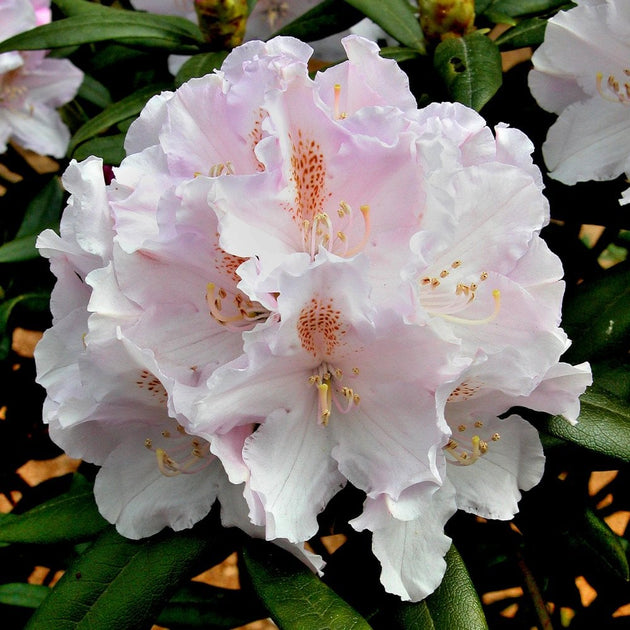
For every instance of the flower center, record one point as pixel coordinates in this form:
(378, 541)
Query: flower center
(234, 311)
(331, 391)
(12, 96)
(466, 451)
(451, 291)
(613, 90)
(322, 232)
(186, 454)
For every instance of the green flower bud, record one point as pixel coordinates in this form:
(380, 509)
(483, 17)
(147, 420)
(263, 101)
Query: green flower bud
(441, 19)
(222, 22)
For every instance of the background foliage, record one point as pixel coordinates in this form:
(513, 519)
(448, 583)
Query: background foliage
(559, 540)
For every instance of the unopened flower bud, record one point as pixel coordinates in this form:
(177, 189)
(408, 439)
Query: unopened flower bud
(222, 22)
(441, 19)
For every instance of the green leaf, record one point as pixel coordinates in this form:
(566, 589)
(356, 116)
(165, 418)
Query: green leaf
(175, 34)
(34, 301)
(602, 548)
(129, 106)
(471, 68)
(324, 19)
(296, 598)
(399, 53)
(198, 605)
(597, 316)
(24, 595)
(95, 92)
(396, 18)
(110, 149)
(78, 7)
(603, 425)
(42, 212)
(455, 604)
(124, 583)
(518, 8)
(200, 65)
(70, 517)
(529, 32)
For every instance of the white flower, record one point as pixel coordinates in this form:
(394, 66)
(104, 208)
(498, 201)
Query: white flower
(32, 86)
(582, 72)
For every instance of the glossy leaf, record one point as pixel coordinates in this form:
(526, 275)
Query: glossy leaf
(455, 604)
(24, 595)
(529, 32)
(603, 426)
(70, 517)
(591, 537)
(110, 148)
(518, 8)
(597, 316)
(129, 106)
(470, 67)
(124, 583)
(295, 597)
(396, 18)
(94, 92)
(200, 65)
(324, 19)
(198, 605)
(133, 28)
(78, 7)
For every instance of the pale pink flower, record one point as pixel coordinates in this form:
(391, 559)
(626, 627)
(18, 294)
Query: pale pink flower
(324, 379)
(32, 86)
(581, 72)
(285, 282)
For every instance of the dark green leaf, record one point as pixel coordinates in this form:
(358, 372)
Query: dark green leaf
(94, 92)
(25, 595)
(399, 53)
(44, 209)
(598, 318)
(518, 8)
(110, 148)
(129, 27)
(602, 548)
(603, 426)
(529, 32)
(296, 598)
(200, 65)
(395, 17)
(496, 17)
(70, 517)
(19, 249)
(198, 605)
(124, 583)
(471, 68)
(455, 604)
(324, 19)
(34, 301)
(115, 113)
(413, 617)
(42, 212)
(77, 7)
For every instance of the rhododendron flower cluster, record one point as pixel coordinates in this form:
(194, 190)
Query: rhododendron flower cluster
(582, 73)
(293, 284)
(32, 86)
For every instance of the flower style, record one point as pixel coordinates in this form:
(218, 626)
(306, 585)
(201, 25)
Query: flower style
(581, 72)
(33, 86)
(295, 293)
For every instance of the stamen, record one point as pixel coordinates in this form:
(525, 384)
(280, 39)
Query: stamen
(613, 92)
(339, 115)
(496, 294)
(243, 317)
(365, 211)
(463, 455)
(324, 403)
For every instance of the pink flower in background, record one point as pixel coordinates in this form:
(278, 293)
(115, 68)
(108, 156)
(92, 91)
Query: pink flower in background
(32, 86)
(582, 73)
(296, 283)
